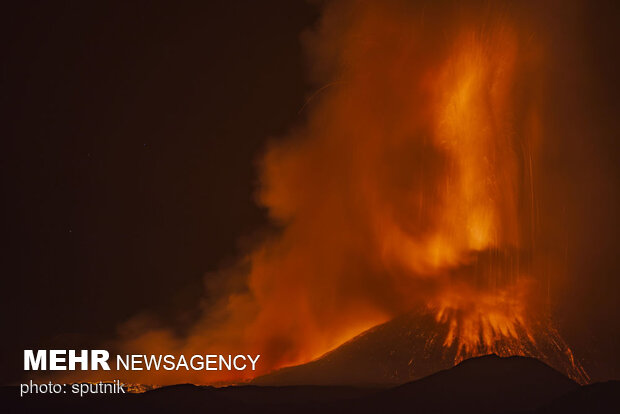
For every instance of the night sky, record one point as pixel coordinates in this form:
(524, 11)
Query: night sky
(130, 138)
(131, 135)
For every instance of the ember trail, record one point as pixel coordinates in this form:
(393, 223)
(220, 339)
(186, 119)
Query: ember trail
(412, 183)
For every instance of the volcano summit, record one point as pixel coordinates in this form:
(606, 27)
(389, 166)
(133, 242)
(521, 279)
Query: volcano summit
(411, 347)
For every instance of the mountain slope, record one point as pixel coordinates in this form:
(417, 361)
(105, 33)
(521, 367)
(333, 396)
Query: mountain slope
(411, 347)
(488, 384)
(602, 397)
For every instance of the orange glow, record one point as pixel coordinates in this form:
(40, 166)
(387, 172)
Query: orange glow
(410, 183)
(479, 322)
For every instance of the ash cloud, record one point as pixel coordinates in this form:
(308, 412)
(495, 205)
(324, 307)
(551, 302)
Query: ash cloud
(414, 179)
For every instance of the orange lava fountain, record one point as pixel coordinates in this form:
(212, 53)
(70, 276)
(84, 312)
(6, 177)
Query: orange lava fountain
(412, 182)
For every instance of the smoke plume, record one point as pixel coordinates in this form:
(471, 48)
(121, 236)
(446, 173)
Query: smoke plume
(410, 182)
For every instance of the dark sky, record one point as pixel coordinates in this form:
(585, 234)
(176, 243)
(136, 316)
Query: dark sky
(130, 141)
(130, 138)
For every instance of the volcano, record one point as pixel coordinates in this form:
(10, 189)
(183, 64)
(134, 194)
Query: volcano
(411, 347)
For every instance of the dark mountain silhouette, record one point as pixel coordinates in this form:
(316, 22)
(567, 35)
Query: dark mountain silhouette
(411, 347)
(602, 397)
(488, 384)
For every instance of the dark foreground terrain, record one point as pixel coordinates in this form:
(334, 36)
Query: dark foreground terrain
(488, 384)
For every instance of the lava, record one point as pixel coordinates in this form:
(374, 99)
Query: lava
(411, 182)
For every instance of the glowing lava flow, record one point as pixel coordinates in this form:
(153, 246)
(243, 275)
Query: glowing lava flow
(410, 184)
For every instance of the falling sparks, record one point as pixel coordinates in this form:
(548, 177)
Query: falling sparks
(410, 183)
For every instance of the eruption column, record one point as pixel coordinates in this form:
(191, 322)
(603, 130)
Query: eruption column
(409, 185)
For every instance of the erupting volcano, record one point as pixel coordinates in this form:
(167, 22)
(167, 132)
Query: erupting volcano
(410, 188)
(416, 345)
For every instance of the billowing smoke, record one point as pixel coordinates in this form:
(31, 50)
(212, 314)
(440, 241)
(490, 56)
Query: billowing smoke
(411, 183)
